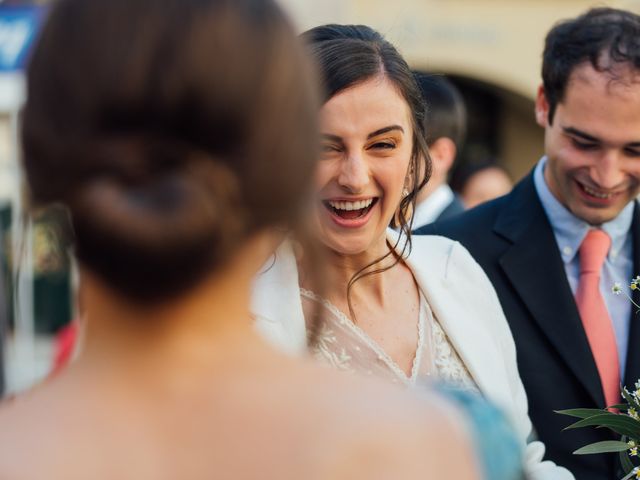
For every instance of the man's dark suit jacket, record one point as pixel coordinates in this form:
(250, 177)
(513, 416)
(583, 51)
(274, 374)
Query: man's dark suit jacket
(454, 208)
(511, 238)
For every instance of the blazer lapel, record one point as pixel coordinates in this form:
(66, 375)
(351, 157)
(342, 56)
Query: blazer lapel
(276, 304)
(632, 370)
(535, 268)
(456, 315)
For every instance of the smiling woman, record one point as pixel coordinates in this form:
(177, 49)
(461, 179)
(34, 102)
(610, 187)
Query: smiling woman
(366, 153)
(395, 307)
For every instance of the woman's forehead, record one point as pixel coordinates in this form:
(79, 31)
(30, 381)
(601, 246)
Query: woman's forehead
(366, 107)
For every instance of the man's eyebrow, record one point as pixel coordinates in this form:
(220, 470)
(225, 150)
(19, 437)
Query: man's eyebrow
(579, 133)
(380, 131)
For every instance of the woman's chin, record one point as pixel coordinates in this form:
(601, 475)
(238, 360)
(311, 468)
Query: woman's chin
(352, 245)
(348, 250)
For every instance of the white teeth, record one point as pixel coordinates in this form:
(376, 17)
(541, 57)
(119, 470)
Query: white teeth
(359, 205)
(597, 194)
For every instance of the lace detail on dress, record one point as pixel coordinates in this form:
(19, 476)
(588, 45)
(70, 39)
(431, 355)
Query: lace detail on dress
(449, 366)
(329, 349)
(345, 346)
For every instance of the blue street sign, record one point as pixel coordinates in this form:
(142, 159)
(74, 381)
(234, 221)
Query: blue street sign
(19, 27)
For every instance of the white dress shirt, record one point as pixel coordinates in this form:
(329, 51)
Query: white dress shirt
(431, 207)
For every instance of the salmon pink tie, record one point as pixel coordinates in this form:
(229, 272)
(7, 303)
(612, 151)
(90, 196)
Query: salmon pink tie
(595, 317)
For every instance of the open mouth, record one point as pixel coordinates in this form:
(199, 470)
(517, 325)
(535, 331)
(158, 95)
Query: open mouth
(597, 194)
(348, 210)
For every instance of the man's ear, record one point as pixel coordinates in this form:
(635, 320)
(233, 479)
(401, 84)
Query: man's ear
(542, 108)
(443, 153)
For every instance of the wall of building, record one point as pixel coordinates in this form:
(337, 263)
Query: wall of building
(495, 42)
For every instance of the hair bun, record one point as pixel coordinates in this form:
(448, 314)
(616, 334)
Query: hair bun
(155, 208)
(172, 148)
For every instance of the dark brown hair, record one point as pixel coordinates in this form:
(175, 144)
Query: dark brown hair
(445, 112)
(604, 37)
(172, 130)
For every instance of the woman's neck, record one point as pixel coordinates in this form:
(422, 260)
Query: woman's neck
(340, 269)
(198, 330)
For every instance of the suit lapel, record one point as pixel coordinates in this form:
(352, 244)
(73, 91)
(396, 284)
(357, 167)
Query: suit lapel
(454, 310)
(535, 268)
(632, 371)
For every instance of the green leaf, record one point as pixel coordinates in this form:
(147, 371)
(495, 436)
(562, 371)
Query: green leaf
(606, 446)
(582, 412)
(620, 424)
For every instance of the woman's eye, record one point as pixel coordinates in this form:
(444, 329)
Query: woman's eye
(384, 145)
(329, 149)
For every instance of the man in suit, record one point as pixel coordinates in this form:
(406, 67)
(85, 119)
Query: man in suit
(445, 126)
(554, 246)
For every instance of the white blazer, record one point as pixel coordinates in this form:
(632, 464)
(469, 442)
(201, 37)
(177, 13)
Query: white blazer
(467, 307)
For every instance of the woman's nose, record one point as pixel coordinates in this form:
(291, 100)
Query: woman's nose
(354, 174)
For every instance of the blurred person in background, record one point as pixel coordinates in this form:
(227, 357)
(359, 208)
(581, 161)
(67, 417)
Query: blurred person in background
(396, 307)
(172, 167)
(478, 183)
(445, 126)
(556, 244)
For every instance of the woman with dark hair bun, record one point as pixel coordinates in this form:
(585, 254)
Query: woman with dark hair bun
(406, 309)
(178, 134)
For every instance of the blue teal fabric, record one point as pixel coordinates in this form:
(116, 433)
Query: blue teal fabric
(494, 440)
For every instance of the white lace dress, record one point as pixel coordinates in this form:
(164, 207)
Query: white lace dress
(345, 346)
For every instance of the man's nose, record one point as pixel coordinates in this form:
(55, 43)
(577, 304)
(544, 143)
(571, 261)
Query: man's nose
(607, 171)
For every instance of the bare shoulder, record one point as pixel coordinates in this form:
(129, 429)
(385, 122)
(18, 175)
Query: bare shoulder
(341, 426)
(43, 434)
(389, 432)
(27, 432)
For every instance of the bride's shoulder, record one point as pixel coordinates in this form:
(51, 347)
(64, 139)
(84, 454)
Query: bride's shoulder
(433, 243)
(434, 250)
(453, 257)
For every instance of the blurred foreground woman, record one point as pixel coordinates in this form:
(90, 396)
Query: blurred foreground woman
(177, 133)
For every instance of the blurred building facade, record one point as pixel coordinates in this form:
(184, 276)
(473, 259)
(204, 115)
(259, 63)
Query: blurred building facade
(490, 48)
(34, 277)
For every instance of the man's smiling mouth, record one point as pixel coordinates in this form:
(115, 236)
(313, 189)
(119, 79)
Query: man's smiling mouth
(597, 194)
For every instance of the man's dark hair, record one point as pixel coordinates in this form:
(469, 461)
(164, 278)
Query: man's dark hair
(446, 114)
(605, 37)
